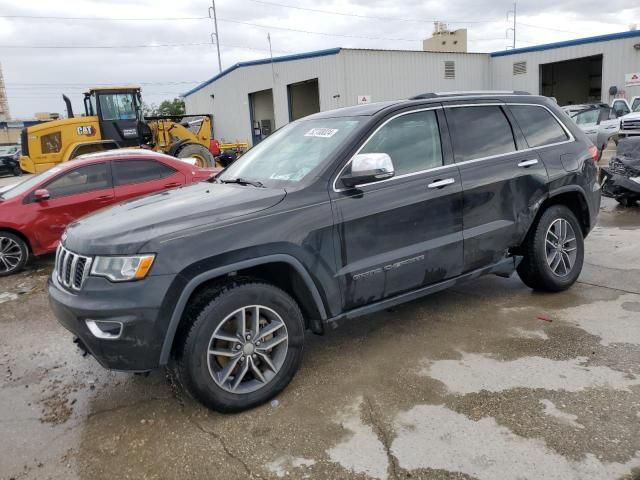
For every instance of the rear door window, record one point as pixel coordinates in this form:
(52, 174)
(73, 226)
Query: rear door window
(540, 128)
(412, 141)
(80, 180)
(127, 172)
(479, 132)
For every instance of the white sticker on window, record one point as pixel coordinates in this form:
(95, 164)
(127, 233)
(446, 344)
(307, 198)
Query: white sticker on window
(321, 132)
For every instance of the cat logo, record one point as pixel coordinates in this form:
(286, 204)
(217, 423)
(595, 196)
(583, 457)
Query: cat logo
(87, 130)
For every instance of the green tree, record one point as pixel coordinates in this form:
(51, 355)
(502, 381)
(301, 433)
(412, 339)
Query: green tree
(171, 107)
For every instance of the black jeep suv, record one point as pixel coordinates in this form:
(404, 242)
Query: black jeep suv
(333, 216)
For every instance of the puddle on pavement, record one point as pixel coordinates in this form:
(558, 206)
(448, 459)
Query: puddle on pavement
(432, 436)
(475, 372)
(362, 451)
(562, 417)
(614, 321)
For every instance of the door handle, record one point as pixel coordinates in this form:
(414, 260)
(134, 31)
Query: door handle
(171, 185)
(527, 163)
(441, 183)
(104, 198)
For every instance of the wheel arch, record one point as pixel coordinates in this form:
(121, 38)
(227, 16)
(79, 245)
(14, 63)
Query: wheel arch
(571, 196)
(283, 271)
(72, 150)
(18, 233)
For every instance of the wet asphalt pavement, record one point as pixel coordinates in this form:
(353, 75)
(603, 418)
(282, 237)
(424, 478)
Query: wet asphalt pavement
(489, 380)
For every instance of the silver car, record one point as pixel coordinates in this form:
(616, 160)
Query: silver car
(598, 121)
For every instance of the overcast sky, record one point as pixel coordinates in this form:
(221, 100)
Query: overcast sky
(35, 77)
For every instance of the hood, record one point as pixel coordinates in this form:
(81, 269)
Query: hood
(628, 151)
(631, 116)
(127, 227)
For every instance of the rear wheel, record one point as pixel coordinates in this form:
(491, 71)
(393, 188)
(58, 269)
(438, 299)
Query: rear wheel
(14, 253)
(204, 158)
(242, 346)
(17, 171)
(553, 251)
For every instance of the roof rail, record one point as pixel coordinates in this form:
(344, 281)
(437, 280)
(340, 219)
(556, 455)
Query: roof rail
(424, 96)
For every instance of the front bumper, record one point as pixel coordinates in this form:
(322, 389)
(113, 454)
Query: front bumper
(628, 133)
(136, 305)
(615, 185)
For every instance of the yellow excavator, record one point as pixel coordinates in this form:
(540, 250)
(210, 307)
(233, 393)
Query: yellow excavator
(113, 119)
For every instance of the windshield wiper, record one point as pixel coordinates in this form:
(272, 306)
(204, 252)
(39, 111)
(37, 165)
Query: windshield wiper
(244, 181)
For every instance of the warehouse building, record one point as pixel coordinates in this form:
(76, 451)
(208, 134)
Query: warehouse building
(251, 99)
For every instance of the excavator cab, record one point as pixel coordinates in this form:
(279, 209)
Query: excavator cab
(119, 112)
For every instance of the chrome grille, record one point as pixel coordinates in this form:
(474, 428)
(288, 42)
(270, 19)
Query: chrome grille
(71, 269)
(631, 124)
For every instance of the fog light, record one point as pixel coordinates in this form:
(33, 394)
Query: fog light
(105, 329)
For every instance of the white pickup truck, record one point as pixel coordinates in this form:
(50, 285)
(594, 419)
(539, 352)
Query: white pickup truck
(629, 114)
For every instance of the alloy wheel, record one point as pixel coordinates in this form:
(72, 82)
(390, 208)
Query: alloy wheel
(10, 254)
(561, 247)
(247, 349)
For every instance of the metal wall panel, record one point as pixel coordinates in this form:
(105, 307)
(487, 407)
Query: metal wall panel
(230, 105)
(619, 57)
(394, 75)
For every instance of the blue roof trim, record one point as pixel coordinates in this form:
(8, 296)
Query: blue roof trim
(285, 58)
(569, 43)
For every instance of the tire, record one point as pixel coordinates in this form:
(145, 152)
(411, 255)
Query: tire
(210, 316)
(626, 201)
(17, 171)
(200, 153)
(535, 270)
(14, 254)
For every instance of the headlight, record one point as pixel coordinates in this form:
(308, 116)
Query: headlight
(635, 179)
(122, 269)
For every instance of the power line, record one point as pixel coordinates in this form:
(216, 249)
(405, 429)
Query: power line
(331, 12)
(547, 28)
(163, 45)
(269, 27)
(106, 19)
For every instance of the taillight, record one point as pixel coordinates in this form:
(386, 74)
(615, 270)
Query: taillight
(595, 154)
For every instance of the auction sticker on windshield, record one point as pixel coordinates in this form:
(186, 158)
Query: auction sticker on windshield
(321, 132)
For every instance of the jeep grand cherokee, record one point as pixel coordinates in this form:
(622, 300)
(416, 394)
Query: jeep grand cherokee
(334, 216)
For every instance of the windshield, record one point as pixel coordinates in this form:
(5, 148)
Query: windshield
(117, 106)
(292, 153)
(637, 106)
(29, 183)
(587, 117)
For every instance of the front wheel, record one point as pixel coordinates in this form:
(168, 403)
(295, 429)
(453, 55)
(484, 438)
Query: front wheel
(553, 251)
(204, 158)
(17, 171)
(14, 254)
(242, 346)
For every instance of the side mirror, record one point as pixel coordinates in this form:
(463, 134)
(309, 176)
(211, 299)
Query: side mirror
(368, 168)
(41, 194)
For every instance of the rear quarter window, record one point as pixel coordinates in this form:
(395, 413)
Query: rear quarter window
(539, 126)
(127, 172)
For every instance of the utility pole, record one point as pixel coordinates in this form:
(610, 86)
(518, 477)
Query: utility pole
(273, 71)
(212, 15)
(513, 29)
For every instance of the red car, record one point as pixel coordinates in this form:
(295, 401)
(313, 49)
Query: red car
(35, 213)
